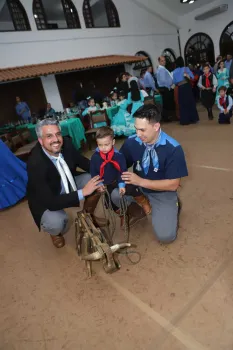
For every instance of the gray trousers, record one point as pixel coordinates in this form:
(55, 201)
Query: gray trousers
(56, 222)
(164, 213)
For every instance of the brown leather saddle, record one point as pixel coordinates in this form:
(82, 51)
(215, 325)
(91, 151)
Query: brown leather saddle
(93, 244)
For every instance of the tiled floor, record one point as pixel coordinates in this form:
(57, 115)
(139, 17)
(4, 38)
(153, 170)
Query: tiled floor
(178, 297)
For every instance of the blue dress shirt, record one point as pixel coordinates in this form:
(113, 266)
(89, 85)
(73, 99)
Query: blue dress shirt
(228, 64)
(26, 115)
(164, 78)
(171, 159)
(178, 74)
(149, 81)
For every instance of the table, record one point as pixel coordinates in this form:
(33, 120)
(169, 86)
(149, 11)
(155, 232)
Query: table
(69, 127)
(158, 99)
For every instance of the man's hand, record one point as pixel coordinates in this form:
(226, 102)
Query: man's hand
(231, 80)
(122, 191)
(131, 179)
(91, 186)
(214, 89)
(101, 189)
(203, 88)
(225, 111)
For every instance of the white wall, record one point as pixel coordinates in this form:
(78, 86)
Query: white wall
(213, 26)
(7, 25)
(51, 92)
(141, 29)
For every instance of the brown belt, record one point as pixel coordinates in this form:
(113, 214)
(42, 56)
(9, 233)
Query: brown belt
(182, 82)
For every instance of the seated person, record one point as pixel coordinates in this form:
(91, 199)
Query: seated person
(73, 109)
(109, 164)
(113, 97)
(158, 165)
(224, 102)
(54, 183)
(123, 123)
(50, 112)
(92, 107)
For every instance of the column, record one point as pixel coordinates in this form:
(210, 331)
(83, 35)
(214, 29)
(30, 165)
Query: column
(51, 92)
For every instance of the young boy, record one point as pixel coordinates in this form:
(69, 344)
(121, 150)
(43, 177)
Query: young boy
(208, 84)
(109, 164)
(225, 105)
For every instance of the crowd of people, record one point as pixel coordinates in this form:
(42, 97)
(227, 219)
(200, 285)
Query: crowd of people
(180, 89)
(158, 160)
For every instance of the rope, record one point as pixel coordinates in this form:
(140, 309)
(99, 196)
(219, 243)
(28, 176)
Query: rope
(110, 216)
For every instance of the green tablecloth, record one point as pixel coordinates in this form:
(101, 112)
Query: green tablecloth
(158, 99)
(72, 127)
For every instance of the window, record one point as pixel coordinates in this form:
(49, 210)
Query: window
(199, 48)
(55, 14)
(13, 16)
(143, 64)
(226, 40)
(170, 59)
(100, 14)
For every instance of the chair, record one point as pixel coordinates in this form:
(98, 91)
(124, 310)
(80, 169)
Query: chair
(24, 151)
(96, 117)
(26, 135)
(8, 144)
(17, 141)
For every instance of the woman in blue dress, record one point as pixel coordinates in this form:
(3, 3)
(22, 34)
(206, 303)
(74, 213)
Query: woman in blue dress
(187, 104)
(135, 97)
(13, 178)
(223, 77)
(123, 123)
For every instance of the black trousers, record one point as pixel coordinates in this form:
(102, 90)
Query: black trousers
(169, 107)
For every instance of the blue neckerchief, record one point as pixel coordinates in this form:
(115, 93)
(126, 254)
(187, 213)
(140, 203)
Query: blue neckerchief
(150, 153)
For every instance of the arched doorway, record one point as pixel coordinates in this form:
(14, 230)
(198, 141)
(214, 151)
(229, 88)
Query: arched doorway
(55, 14)
(13, 16)
(199, 48)
(143, 65)
(170, 59)
(100, 14)
(226, 40)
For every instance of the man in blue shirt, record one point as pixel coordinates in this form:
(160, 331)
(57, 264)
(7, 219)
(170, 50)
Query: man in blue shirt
(166, 89)
(23, 110)
(228, 62)
(149, 81)
(158, 165)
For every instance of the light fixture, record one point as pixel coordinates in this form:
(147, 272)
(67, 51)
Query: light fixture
(187, 1)
(71, 10)
(35, 16)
